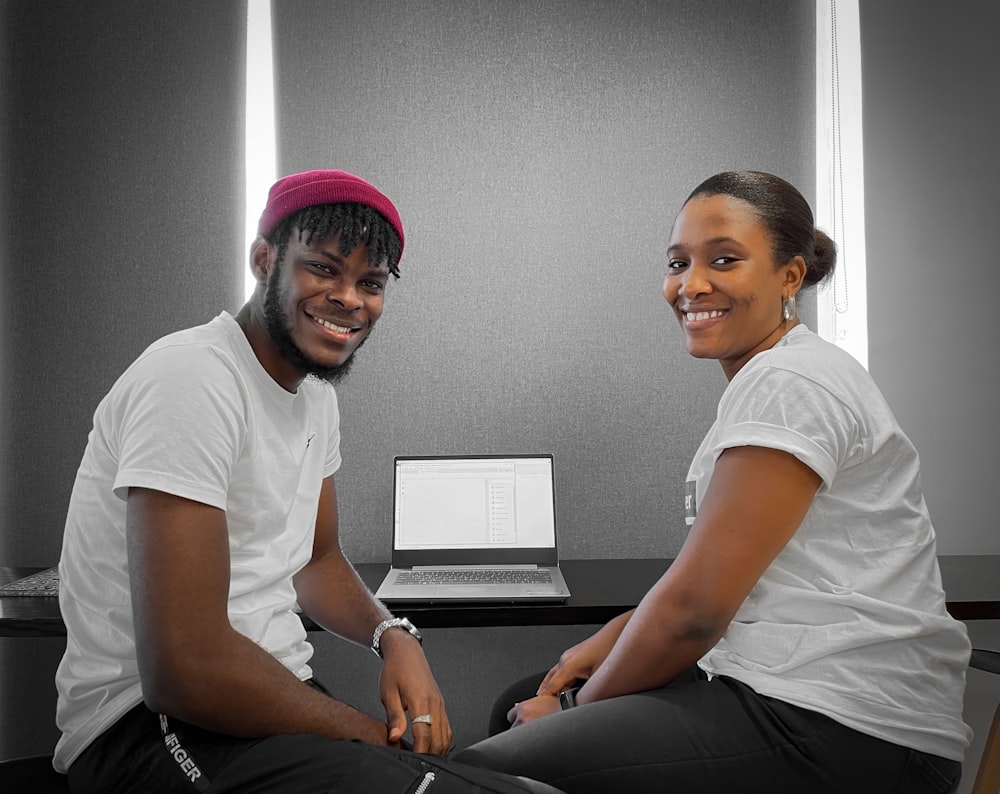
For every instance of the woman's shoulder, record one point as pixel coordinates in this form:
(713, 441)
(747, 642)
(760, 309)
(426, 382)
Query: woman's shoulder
(803, 352)
(805, 368)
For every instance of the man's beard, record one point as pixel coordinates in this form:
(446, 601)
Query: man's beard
(278, 326)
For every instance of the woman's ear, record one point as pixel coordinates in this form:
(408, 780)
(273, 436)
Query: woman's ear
(795, 273)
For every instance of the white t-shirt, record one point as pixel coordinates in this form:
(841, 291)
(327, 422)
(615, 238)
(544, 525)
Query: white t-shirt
(197, 416)
(849, 620)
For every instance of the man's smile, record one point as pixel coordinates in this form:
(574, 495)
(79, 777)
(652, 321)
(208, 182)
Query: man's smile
(339, 330)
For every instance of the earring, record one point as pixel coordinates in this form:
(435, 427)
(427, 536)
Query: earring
(788, 308)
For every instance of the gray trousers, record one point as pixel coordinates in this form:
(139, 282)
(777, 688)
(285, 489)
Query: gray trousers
(695, 736)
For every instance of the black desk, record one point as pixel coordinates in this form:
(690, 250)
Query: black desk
(601, 589)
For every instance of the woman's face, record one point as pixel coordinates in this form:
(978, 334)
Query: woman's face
(722, 283)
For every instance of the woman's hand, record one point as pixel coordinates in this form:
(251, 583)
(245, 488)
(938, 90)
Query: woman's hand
(579, 662)
(529, 710)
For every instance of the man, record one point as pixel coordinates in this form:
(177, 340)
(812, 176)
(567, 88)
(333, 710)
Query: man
(205, 510)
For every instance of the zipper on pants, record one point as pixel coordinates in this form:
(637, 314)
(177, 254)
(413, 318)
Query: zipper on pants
(425, 783)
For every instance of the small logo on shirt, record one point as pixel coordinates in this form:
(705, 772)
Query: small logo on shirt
(690, 501)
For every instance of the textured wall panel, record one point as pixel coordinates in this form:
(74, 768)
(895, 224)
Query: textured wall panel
(932, 196)
(538, 152)
(123, 186)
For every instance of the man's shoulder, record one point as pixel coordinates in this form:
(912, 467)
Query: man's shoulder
(212, 340)
(215, 333)
(182, 358)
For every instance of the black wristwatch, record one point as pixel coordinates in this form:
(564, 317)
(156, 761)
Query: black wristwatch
(402, 623)
(567, 698)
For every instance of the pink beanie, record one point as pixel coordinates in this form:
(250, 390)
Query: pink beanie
(292, 193)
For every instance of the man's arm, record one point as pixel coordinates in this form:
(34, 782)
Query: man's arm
(192, 663)
(332, 594)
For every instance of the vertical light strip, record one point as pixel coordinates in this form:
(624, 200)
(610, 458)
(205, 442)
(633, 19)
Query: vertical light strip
(842, 305)
(261, 164)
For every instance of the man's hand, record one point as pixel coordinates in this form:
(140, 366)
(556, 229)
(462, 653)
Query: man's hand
(407, 686)
(333, 595)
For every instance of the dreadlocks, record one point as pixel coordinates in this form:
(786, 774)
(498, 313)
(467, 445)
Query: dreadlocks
(354, 223)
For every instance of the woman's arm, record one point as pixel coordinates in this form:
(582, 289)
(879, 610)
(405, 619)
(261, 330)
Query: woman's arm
(580, 661)
(755, 502)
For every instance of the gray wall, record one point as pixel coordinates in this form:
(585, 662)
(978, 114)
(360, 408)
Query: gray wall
(538, 152)
(932, 197)
(122, 190)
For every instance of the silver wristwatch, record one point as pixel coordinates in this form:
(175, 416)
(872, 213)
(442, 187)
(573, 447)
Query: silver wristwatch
(402, 623)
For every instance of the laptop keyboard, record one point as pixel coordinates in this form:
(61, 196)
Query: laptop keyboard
(477, 576)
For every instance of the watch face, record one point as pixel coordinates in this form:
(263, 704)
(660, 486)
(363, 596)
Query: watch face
(411, 628)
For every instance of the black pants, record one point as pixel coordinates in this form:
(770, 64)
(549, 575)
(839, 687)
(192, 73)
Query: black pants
(149, 754)
(695, 736)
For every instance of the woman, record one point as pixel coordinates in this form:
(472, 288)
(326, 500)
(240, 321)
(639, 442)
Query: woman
(799, 642)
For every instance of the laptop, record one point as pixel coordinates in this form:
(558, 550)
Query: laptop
(474, 528)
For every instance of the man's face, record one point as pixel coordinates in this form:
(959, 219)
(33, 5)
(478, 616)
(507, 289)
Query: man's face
(320, 305)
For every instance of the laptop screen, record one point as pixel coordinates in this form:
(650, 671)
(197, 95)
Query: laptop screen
(491, 503)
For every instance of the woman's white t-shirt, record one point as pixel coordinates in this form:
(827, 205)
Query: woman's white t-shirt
(849, 620)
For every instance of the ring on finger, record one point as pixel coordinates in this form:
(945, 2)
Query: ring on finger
(426, 718)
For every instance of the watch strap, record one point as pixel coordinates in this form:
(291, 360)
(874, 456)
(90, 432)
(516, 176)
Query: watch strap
(380, 629)
(567, 698)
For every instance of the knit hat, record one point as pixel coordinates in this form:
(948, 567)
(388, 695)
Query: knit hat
(292, 193)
